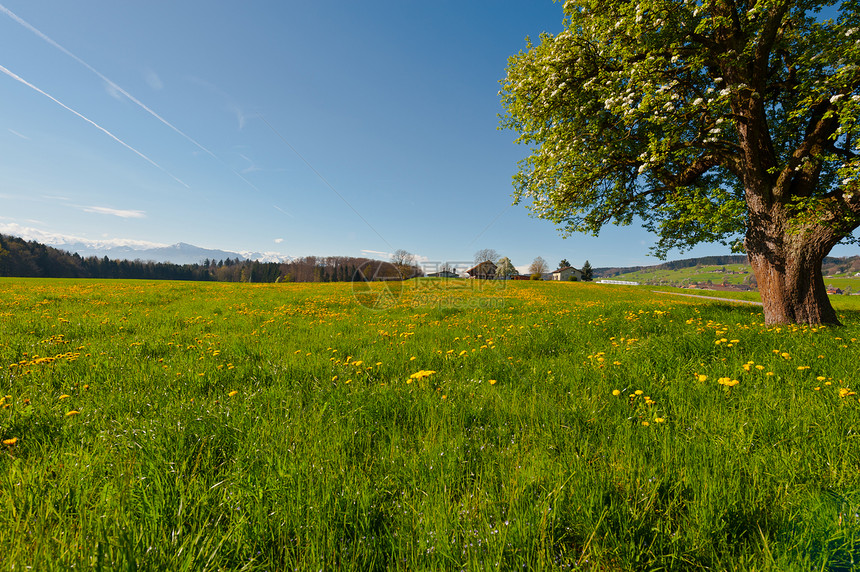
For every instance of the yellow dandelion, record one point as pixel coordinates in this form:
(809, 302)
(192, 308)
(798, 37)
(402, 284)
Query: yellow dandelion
(659, 420)
(845, 392)
(638, 392)
(702, 378)
(72, 412)
(616, 392)
(11, 441)
(491, 381)
(645, 423)
(232, 393)
(64, 396)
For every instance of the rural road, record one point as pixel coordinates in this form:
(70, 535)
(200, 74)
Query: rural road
(709, 298)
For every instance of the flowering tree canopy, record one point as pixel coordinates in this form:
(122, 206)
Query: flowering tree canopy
(711, 120)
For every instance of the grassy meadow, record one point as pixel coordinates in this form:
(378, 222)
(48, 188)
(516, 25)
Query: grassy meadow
(461, 425)
(734, 274)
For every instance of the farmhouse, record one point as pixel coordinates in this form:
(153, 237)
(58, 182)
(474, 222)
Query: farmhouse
(485, 270)
(567, 273)
(443, 274)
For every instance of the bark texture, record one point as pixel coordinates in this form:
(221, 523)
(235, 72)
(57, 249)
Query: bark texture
(787, 265)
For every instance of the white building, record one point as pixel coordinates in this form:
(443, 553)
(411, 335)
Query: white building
(567, 273)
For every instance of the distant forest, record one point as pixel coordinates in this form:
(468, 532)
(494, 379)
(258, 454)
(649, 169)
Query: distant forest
(30, 259)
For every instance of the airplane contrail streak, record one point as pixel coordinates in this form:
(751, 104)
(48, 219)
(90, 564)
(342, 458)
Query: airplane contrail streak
(91, 122)
(101, 76)
(119, 89)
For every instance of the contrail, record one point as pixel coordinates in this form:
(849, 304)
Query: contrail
(101, 76)
(119, 89)
(91, 122)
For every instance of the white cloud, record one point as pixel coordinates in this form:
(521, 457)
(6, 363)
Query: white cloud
(115, 212)
(113, 90)
(419, 258)
(59, 239)
(378, 253)
(153, 81)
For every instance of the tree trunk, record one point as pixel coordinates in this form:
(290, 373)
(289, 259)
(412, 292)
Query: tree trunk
(787, 267)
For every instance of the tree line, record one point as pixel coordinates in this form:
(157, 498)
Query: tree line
(31, 259)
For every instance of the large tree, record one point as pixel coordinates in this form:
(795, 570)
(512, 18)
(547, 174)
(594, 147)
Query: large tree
(538, 266)
(718, 120)
(506, 268)
(486, 254)
(587, 272)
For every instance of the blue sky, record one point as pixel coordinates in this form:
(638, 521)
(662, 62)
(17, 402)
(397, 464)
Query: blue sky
(331, 127)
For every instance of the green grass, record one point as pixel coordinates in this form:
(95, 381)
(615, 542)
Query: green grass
(731, 273)
(735, 274)
(515, 453)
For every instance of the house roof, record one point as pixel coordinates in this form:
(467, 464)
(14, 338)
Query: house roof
(566, 268)
(483, 268)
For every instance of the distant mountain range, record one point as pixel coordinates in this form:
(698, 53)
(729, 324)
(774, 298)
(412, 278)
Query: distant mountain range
(179, 253)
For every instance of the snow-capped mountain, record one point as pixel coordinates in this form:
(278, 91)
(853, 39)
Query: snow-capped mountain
(180, 253)
(123, 249)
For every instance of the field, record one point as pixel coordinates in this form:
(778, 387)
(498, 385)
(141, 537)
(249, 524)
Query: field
(730, 273)
(718, 274)
(445, 426)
